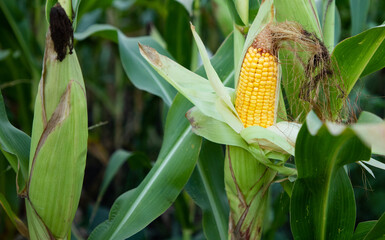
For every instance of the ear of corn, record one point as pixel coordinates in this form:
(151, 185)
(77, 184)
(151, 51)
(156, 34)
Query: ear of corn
(58, 147)
(256, 100)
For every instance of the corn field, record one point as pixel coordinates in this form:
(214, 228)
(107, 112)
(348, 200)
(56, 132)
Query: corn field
(189, 119)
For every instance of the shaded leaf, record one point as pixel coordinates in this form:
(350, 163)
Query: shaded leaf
(206, 187)
(362, 229)
(20, 226)
(322, 203)
(378, 230)
(15, 146)
(163, 183)
(359, 12)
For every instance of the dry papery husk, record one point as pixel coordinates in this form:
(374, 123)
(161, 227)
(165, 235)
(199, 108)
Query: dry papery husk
(305, 52)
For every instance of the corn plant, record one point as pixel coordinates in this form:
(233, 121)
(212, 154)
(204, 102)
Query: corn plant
(269, 109)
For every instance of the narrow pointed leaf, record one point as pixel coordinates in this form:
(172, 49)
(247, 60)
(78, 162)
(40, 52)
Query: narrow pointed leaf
(20, 226)
(117, 159)
(362, 229)
(212, 75)
(162, 185)
(15, 146)
(329, 23)
(131, 60)
(148, 79)
(101, 30)
(378, 230)
(194, 87)
(359, 12)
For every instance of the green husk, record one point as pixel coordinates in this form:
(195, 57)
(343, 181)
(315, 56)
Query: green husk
(247, 185)
(58, 147)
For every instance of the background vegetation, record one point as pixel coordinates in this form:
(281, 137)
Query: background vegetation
(122, 116)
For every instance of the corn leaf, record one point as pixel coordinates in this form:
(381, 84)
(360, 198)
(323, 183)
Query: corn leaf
(214, 130)
(148, 80)
(101, 30)
(194, 87)
(280, 137)
(329, 22)
(359, 12)
(20, 226)
(305, 13)
(206, 187)
(177, 34)
(378, 230)
(223, 17)
(362, 229)
(322, 202)
(301, 11)
(357, 57)
(131, 60)
(162, 185)
(224, 105)
(117, 159)
(15, 146)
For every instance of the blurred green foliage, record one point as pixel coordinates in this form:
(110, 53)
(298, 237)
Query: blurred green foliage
(128, 118)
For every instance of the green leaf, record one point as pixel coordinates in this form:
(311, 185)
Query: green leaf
(234, 13)
(75, 6)
(301, 11)
(362, 229)
(177, 33)
(146, 79)
(359, 10)
(101, 30)
(15, 146)
(357, 57)
(20, 226)
(242, 7)
(48, 5)
(225, 107)
(206, 187)
(378, 230)
(322, 203)
(328, 26)
(279, 137)
(194, 87)
(223, 17)
(114, 164)
(305, 13)
(162, 185)
(214, 130)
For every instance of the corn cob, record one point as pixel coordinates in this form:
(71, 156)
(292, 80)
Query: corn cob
(59, 136)
(257, 87)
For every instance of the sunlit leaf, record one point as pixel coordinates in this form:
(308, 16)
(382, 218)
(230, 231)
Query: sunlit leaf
(357, 57)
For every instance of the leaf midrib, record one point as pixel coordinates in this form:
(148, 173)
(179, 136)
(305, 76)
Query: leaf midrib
(151, 182)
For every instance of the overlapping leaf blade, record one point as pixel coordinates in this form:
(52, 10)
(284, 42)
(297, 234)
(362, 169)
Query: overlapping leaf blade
(162, 185)
(15, 146)
(322, 202)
